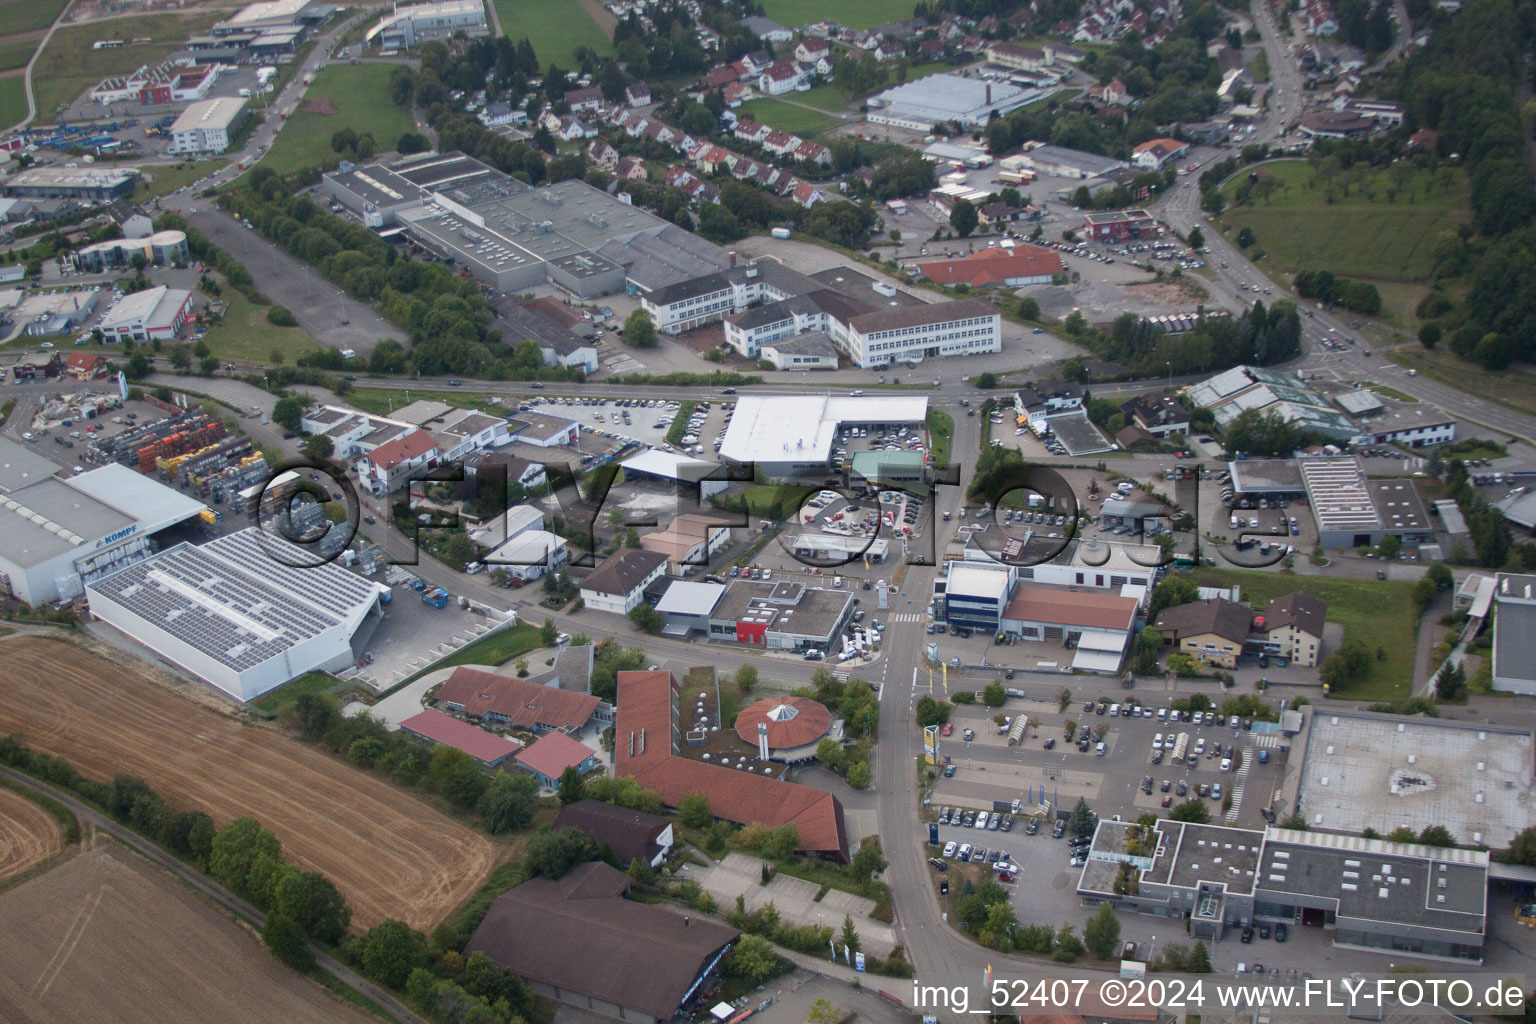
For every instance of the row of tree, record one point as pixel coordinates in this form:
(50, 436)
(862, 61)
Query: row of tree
(1261, 337)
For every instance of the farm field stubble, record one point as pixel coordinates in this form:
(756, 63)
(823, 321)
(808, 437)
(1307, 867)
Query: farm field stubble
(28, 834)
(390, 853)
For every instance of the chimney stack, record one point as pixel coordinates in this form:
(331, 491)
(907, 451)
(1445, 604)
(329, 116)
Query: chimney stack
(989, 94)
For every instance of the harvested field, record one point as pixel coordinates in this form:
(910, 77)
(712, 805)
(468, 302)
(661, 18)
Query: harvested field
(319, 105)
(28, 834)
(108, 936)
(389, 853)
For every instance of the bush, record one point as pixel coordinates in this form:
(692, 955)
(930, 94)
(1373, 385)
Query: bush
(280, 317)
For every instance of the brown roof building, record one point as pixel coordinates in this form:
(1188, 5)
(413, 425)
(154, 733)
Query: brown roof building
(794, 726)
(1293, 627)
(1080, 609)
(1213, 631)
(632, 835)
(1013, 267)
(505, 700)
(645, 749)
(618, 583)
(579, 941)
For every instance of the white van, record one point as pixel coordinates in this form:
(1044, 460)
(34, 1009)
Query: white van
(1157, 742)
(1100, 749)
(1114, 711)
(837, 581)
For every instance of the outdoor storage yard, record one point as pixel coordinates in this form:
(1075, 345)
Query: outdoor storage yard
(28, 834)
(389, 853)
(109, 937)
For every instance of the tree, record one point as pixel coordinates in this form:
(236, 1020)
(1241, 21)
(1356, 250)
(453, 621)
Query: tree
(1437, 835)
(571, 785)
(235, 851)
(752, 958)
(859, 775)
(932, 712)
(1102, 933)
(1429, 335)
(867, 860)
(830, 753)
(1063, 699)
(1177, 588)
(507, 802)
(287, 412)
(549, 633)
(639, 331)
(782, 842)
(963, 218)
(1193, 811)
(318, 446)
(1029, 309)
(390, 951)
(311, 901)
(746, 678)
(285, 940)
(1082, 820)
(986, 380)
(993, 695)
(1149, 644)
(646, 619)
(1245, 238)
(1521, 850)
(554, 852)
(1199, 960)
(1196, 238)
(823, 1012)
(693, 811)
(456, 776)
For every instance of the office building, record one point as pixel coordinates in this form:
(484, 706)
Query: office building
(208, 126)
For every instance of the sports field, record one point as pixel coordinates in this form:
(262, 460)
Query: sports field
(390, 854)
(109, 937)
(28, 834)
(1361, 233)
(352, 96)
(555, 28)
(851, 13)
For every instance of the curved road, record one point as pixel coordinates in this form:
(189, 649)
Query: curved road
(209, 888)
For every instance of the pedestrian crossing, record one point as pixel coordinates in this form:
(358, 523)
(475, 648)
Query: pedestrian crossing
(1269, 740)
(1237, 787)
(907, 617)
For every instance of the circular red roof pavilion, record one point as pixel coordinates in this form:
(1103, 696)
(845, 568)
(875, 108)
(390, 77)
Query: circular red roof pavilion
(793, 722)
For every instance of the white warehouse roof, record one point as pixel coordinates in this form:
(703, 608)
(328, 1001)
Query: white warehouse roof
(209, 115)
(801, 428)
(156, 307)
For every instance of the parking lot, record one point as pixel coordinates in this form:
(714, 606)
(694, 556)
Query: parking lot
(987, 768)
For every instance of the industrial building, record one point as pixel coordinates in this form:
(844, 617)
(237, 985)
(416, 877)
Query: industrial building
(1365, 770)
(975, 595)
(1403, 899)
(1352, 511)
(1232, 392)
(781, 615)
(1069, 163)
(246, 612)
(788, 436)
(689, 540)
(419, 23)
(1514, 633)
(96, 184)
(579, 941)
(918, 106)
(1003, 266)
(681, 471)
(1119, 225)
(511, 237)
(155, 314)
(208, 125)
(161, 248)
(1097, 625)
(57, 534)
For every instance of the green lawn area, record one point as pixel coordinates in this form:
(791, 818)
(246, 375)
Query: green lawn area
(854, 14)
(13, 101)
(28, 15)
(775, 113)
(245, 333)
(1379, 613)
(1512, 389)
(941, 429)
(824, 97)
(495, 649)
(553, 27)
(16, 55)
(1361, 232)
(309, 683)
(360, 94)
(169, 178)
(69, 65)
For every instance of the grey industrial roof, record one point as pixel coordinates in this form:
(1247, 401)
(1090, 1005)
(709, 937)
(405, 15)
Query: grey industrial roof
(1398, 505)
(1337, 492)
(1078, 434)
(235, 600)
(1190, 854)
(857, 285)
(20, 466)
(1090, 162)
(1377, 880)
(948, 97)
(49, 518)
(1514, 640)
(1133, 509)
(1265, 476)
(811, 343)
(684, 597)
(783, 607)
(669, 256)
(924, 315)
(538, 424)
(1359, 402)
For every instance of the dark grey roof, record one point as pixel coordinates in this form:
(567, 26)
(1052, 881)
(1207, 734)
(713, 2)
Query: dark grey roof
(922, 316)
(860, 286)
(1298, 609)
(631, 834)
(517, 321)
(622, 571)
(571, 671)
(811, 343)
(579, 935)
(1226, 619)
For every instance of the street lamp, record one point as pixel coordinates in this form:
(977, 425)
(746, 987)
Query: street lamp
(1169, 364)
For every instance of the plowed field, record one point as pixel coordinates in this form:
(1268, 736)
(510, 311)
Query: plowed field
(28, 834)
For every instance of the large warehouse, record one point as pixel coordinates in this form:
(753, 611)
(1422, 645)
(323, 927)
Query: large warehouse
(792, 435)
(1097, 625)
(58, 534)
(946, 98)
(246, 612)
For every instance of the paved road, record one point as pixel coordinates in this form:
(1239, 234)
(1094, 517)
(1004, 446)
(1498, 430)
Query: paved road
(212, 890)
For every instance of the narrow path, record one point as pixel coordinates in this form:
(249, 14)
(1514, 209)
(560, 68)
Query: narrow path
(92, 819)
(27, 75)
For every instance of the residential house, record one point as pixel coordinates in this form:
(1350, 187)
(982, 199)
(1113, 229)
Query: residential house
(814, 152)
(781, 143)
(1112, 91)
(888, 51)
(812, 49)
(720, 75)
(604, 156)
(1158, 415)
(631, 168)
(755, 63)
(391, 466)
(1155, 154)
(1212, 632)
(572, 128)
(780, 77)
(736, 93)
(548, 757)
(618, 584)
(637, 94)
(1293, 628)
(710, 158)
(495, 115)
(808, 195)
(590, 98)
(749, 130)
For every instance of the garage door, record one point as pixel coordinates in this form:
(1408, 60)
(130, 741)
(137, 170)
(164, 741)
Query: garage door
(1053, 632)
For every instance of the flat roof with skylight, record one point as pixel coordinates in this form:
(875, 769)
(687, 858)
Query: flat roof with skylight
(801, 428)
(1384, 772)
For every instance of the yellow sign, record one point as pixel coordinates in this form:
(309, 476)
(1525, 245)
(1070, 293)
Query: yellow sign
(930, 744)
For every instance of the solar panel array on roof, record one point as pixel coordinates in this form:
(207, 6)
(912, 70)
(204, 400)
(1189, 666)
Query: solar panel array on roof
(1339, 496)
